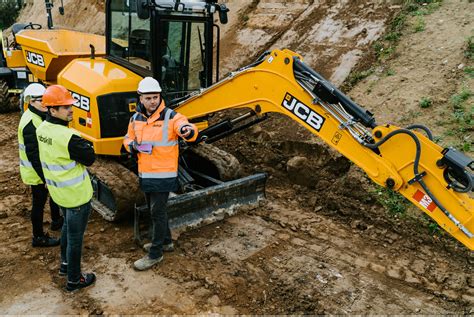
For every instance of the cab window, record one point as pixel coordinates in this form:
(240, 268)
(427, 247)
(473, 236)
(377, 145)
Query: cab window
(130, 36)
(183, 53)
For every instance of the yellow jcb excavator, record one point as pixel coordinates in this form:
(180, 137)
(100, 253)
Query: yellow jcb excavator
(174, 41)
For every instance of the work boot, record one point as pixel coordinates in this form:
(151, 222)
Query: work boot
(145, 263)
(45, 241)
(57, 225)
(87, 279)
(63, 269)
(166, 247)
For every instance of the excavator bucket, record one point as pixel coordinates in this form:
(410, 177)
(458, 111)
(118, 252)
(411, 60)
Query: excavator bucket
(211, 185)
(206, 205)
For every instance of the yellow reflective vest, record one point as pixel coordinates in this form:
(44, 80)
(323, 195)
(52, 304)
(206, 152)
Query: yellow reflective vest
(68, 181)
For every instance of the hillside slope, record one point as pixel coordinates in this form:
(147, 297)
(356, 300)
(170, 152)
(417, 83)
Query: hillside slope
(331, 35)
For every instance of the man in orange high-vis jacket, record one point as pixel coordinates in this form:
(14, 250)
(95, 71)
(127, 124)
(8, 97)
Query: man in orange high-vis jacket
(153, 134)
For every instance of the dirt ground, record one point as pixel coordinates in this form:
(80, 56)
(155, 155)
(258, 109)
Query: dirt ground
(319, 244)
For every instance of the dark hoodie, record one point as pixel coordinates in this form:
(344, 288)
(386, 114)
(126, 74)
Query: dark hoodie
(31, 143)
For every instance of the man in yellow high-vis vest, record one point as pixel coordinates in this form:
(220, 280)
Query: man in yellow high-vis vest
(64, 156)
(30, 166)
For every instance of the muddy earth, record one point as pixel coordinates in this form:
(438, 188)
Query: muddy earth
(321, 242)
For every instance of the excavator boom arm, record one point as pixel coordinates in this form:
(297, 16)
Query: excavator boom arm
(401, 159)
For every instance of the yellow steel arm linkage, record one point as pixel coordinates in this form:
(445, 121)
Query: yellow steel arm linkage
(272, 85)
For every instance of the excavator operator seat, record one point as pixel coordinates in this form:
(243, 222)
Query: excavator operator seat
(17, 27)
(140, 43)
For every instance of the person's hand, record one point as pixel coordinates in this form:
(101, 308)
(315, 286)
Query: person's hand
(145, 148)
(186, 131)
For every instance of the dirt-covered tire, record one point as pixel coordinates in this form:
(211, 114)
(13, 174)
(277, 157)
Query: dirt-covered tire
(7, 103)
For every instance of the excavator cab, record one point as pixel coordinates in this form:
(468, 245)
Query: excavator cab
(170, 40)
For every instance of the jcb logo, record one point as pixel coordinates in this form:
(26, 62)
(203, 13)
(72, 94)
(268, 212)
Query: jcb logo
(83, 102)
(35, 58)
(302, 111)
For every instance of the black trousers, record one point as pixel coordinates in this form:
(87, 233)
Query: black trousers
(40, 195)
(160, 228)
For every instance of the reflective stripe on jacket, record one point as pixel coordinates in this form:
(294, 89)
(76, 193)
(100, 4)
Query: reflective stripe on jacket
(157, 171)
(27, 171)
(68, 181)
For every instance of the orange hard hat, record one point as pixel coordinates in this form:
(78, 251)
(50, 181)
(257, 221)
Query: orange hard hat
(57, 95)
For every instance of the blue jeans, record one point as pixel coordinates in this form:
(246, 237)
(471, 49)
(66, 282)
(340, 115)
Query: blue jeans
(72, 235)
(160, 228)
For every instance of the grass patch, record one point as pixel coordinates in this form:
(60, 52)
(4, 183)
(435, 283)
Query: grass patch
(385, 46)
(433, 228)
(355, 77)
(426, 8)
(457, 100)
(469, 52)
(469, 71)
(425, 102)
(420, 25)
(395, 203)
(383, 51)
(462, 120)
(390, 72)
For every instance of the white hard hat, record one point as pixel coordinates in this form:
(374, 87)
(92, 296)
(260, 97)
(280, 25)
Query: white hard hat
(149, 85)
(34, 90)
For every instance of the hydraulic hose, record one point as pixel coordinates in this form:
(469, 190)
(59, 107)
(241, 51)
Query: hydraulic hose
(417, 175)
(421, 127)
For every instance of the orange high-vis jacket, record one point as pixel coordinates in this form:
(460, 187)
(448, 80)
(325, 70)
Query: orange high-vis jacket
(157, 171)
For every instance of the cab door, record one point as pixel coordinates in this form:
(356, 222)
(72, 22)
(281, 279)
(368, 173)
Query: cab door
(183, 54)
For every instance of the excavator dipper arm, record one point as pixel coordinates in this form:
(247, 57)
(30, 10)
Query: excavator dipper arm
(436, 180)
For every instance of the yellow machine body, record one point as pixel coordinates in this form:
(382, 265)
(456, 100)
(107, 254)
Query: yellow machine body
(47, 52)
(14, 58)
(89, 80)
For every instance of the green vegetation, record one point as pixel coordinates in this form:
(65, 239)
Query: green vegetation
(469, 71)
(457, 100)
(390, 72)
(393, 201)
(419, 25)
(385, 47)
(462, 119)
(427, 7)
(433, 228)
(425, 102)
(9, 11)
(381, 51)
(355, 77)
(469, 52)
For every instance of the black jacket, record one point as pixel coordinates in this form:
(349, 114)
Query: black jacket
(31, 143)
